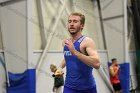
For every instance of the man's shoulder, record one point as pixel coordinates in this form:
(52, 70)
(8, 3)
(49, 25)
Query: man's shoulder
(88, 39)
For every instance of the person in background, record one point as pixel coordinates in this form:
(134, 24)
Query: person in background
(58, 80)
(114, 71)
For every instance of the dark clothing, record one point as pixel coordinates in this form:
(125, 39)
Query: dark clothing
(117, 87)
(58, 81)
(69, 90)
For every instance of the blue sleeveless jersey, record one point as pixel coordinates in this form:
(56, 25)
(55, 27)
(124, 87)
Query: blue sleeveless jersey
(78, 74)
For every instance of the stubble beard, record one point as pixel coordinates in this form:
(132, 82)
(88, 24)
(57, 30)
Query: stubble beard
(73, 33)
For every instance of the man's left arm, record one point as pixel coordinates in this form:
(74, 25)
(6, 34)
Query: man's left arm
(92, 59)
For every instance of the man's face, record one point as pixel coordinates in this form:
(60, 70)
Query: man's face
(74, 24)
(115, 62)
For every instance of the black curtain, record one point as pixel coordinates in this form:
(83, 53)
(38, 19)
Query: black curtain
(136, 17)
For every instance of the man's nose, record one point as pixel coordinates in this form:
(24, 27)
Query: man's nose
(72, 23)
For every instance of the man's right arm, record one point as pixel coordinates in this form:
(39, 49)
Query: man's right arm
(63, 63)
(61, 66)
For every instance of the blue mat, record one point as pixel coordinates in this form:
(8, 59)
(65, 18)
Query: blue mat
(22, 82)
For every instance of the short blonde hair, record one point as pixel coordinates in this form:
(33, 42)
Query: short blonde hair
(80, 15)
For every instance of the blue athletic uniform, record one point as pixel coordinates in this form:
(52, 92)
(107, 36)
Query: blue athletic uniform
(79, 78)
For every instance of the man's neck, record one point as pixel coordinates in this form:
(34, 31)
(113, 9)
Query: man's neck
(76, 36)
(113, 64)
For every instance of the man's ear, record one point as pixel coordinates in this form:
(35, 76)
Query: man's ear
(82, 26)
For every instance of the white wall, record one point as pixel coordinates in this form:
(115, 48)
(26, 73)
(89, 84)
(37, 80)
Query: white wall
(49, 12)
(2, 76)
(14, 35)
(113, 21)
(1, 1)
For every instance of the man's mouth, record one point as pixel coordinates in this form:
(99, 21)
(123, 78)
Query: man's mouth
(72, 28)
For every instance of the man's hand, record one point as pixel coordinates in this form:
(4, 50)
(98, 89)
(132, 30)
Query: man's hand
(118, 67)
(59, 72)
(70, 45)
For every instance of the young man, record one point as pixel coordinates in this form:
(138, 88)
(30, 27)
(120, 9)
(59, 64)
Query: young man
(80, 57)
(114, 75)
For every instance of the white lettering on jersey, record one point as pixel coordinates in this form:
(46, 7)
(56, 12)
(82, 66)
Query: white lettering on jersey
(67, 53)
